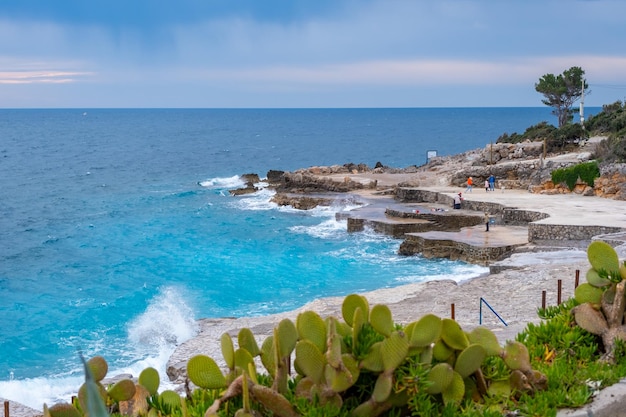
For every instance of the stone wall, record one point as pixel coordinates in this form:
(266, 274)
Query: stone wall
(516, 217)
(453, 250)
(544, 231)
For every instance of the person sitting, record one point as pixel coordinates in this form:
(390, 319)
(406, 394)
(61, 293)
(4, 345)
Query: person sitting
(457, 201)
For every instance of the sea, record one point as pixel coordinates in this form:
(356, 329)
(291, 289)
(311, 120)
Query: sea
(118, 231)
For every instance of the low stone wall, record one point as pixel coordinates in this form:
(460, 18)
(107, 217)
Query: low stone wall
(397, 230)
(543, 231)
(516, 217)
(440, 221)
(453, 250)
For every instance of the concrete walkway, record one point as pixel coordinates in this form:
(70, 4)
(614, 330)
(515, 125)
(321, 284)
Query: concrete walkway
(562, 209)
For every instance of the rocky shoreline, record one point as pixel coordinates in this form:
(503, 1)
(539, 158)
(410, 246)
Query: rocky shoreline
(514, 286)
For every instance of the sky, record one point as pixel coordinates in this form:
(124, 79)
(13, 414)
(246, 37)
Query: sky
(305, 53)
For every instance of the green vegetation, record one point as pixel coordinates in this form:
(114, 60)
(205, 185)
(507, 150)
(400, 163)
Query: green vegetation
(586, 172)
(367, 365)
(561, 92)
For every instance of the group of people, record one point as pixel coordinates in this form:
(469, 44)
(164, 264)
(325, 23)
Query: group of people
(490, 184)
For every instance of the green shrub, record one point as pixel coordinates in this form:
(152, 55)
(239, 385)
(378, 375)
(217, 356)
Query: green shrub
(587, 172)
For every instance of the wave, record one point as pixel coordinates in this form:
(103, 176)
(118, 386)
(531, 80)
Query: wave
(152, 338)
(223, 182)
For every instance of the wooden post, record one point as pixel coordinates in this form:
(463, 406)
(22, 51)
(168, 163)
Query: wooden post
(543, 299)
(452, 311)
(558, 294)
(6, 409)
(576, 282)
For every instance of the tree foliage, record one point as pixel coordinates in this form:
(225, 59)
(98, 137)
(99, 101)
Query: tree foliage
(561, 91)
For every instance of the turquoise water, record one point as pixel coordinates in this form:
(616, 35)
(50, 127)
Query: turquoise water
(118, 230)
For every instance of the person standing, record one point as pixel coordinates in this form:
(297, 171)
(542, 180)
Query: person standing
(492, 183)
(486, 185)
(487, 220)
(470, 182)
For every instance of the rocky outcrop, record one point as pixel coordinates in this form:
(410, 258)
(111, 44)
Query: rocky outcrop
(249, 188)
(309, 181)
(301, 202)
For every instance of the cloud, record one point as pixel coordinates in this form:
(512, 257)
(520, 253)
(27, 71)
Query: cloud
(423, 71)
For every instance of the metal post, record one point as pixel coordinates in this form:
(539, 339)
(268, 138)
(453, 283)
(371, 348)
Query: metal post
(558, 294)
(6, 409)
(543, 299)
(577, 280)
(452, 311)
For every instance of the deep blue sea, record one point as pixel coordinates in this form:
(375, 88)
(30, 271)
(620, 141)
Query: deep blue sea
(117, 230)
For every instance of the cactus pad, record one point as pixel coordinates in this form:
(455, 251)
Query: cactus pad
(312, 327)
(351, 303)
(587, 293)
(246, 340)
(426, 331)
(469, 360)
(99, 367)
(590, 319)
(487, 339)
(455, 391)
(287, 337)
(442, 351)
(228, 350)
(382, 388)
(268, 355)
(122, 390)
(453, 335)
(381, 320)
(63, 410)
(171, 398)
(374, 359)
(310, 360)
(516, 356)
(602, 256)
(595, 279)
(440, 376)
(243, 360)
(204, 372)
(150, 380)
(394, 350)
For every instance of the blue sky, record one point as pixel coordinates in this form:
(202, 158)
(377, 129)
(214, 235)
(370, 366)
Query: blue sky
(304, 53)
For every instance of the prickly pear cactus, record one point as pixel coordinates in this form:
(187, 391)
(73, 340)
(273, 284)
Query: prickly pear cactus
(605, 287)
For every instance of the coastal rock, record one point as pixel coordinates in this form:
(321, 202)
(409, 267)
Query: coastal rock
(301, 202)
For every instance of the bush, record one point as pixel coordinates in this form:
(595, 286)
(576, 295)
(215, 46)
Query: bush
(587, 172)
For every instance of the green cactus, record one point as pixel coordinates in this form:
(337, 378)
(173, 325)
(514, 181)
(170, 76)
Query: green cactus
(587, 293)
(602, 257)
(171, 399)
(453, 335)
(516, 356)
(204, 372)
(594, 278)
(350, 304)
(246, 340)
(228, 351)
(61, 410)
(381, 320)
(469, 360)
(149, 379)
(487, 339)
(440, 377)
(455, 391)
(425, 331)
(122, 390)
(99, 368)
(312, 327)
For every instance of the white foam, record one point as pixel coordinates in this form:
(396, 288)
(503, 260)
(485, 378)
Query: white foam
(153, 336)
(327, 229)
(223, 182)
